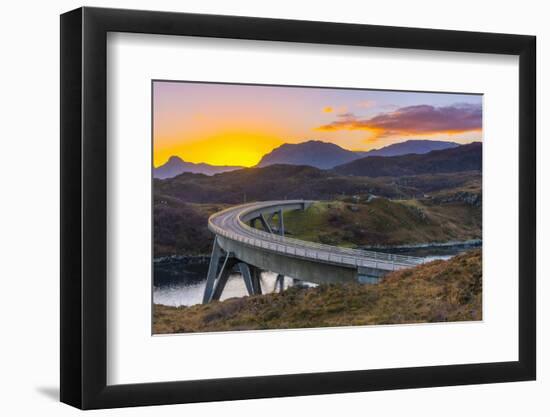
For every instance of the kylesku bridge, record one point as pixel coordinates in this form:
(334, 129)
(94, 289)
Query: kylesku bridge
(240, 245)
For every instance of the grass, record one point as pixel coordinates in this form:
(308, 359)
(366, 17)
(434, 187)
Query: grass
(384, 222)
(182, 206)
(182, 228)
(439, 291)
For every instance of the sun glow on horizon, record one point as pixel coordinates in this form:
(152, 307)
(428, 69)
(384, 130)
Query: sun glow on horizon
(236, 148)
(235, 124)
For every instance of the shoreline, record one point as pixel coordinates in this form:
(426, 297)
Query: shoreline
(205, 259)
(186, 259)
(469, 242)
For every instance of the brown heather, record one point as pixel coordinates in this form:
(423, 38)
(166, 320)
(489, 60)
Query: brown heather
(440, 291)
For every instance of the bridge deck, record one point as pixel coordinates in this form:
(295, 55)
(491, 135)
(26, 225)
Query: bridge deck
(230, 224)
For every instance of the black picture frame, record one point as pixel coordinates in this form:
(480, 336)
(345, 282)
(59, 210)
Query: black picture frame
(84, 207)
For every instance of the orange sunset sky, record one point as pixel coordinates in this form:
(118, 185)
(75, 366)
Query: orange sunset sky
(230, 124)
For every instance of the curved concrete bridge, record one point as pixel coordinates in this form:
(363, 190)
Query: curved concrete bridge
(239, 244)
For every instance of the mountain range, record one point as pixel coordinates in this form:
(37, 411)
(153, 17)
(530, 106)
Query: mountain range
(389, 176)
(451, 176)
(456, 159)
(176, 166)
(416, 146)
(325, 155)
(312, 153)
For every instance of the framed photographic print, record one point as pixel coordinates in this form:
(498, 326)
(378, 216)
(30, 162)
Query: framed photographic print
(257, 207)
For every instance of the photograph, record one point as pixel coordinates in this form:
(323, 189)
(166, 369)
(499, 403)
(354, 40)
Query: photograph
(267, 206)
(285, 207)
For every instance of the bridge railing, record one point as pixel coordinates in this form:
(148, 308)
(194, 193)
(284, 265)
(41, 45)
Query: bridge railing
(330, 253)
(377, 261)
(329, 248)
(311, 250)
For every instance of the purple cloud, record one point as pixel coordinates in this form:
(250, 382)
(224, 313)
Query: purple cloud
(420, 119)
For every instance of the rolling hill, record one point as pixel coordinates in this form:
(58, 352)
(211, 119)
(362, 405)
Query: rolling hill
(457, 159)
(288, 181)
(417, 146)
(182, 204)
(269, 183)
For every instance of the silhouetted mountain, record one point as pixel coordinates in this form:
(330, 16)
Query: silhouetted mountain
(176, 166)
(325, 155)
(416, 146)
(460, 158)
(270, 183)
(313, 153)
(279, 182)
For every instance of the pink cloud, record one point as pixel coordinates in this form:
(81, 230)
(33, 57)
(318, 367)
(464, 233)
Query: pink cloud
(420, 119)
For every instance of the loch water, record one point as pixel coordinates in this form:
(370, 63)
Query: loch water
(181, 281)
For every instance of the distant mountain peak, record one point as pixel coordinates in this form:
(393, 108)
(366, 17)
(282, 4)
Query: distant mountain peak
(315, 153)
(412, 146)
(327, 155)
(177, 166)
(174, 159)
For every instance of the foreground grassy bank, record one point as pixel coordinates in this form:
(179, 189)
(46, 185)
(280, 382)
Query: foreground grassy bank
(436, 292)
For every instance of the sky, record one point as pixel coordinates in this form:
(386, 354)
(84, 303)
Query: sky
(232, 124)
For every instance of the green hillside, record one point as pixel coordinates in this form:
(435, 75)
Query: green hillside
(384, 222)
(434, 207)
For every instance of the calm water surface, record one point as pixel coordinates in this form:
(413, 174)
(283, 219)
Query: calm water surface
(177, 283)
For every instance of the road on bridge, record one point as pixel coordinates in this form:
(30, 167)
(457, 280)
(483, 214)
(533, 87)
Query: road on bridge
(232, 224)
(239, 244)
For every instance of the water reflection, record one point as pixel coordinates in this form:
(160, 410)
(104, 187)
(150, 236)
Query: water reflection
(178, 283)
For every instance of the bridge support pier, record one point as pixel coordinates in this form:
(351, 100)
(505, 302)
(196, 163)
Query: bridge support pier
(217, 277)
(251, 277)
(265, 224)
(280, 283)
(227, 268)
(281, 223)
(212, 271)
